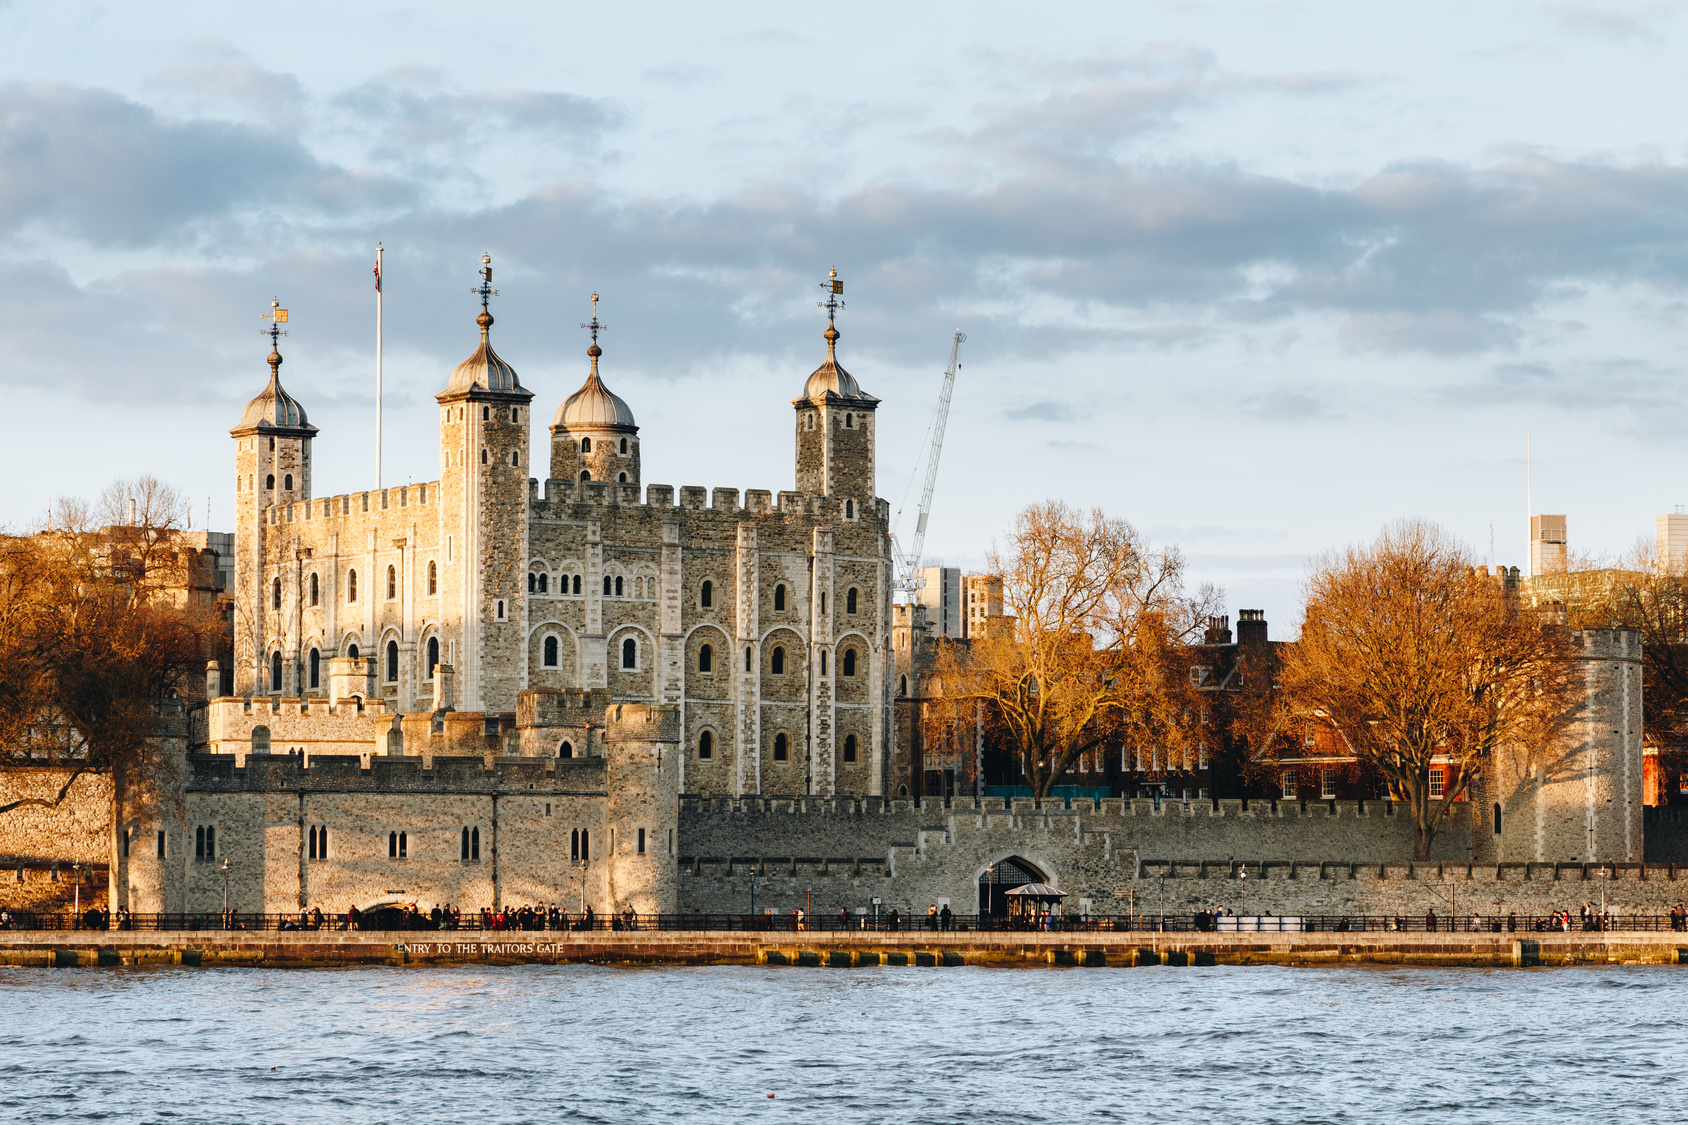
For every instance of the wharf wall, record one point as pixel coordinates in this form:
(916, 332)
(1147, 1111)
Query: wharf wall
(836, 950)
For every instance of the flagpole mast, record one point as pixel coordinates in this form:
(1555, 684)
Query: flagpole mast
(377, 365)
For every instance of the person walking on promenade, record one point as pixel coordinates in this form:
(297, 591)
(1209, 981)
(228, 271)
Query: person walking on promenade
(932, 916)
(894, 919)
(944, 917)
(1430, 920)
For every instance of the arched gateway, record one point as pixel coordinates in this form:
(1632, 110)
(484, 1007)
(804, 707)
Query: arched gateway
(1004, 876)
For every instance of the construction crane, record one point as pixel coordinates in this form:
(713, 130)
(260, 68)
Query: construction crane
(908, 562)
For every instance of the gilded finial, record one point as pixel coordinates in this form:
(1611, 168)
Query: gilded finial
(277, 316)
(834, 289)
(485, 291)
(595, 326)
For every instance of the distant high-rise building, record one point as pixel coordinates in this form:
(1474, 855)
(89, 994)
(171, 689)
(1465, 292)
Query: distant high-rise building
(1673, 542)
(1547, 545)
(940, 593)
(981, 597)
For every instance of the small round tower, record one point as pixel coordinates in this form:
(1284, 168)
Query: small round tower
(642, 777)
(593, 435)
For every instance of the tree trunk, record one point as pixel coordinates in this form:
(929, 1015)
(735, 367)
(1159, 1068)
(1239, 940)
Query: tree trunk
(117, 874)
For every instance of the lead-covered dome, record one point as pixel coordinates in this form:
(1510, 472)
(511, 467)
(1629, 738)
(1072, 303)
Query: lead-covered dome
(274, 408)
(830, 378)
(594, 404)
(484, 370)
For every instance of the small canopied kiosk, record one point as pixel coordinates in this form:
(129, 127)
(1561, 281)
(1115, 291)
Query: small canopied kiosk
(1028, 905)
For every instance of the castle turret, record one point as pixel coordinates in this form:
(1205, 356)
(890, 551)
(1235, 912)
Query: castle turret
(593, 436)
(484, 473)
(642, 778)
(1579, 801)
(272, 466)
(835, 456)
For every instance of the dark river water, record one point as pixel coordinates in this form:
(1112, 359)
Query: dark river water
(581, 1043)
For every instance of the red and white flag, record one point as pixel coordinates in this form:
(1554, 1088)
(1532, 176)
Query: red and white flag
(378, 273)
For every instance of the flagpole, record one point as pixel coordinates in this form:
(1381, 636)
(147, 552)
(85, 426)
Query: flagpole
(377, 365)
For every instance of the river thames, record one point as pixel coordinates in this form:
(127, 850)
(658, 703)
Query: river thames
(584, 1043)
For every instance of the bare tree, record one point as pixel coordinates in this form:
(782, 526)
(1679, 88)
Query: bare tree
(1416, 660)
(1092, 650)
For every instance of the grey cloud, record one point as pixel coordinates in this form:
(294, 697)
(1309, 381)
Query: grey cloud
(1284, 406)
(94, 166)
(1046, 410)
(219, 75)
(410, 117)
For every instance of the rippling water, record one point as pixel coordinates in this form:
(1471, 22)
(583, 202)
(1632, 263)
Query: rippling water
(582, 1043)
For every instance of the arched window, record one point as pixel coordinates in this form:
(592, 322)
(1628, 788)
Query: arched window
(513, 417)
(585, 845)
(433, 579)
(849, 421)
(486, 413)
(351, 585)
(1497, 818)
(483, 456)
(622, 479)
(565, 750)
(392, 662)
(618, 585)
(577, 583)
(850, 600)
(606, 585)
(352, 650)
(779, 597)
(533, 582)
(315, 589)
(585, 446)
(275, 670)
(706, 594)
(474, 845)
(781, 748)
(705, 659)
(275, 594)
(747, 658)
(260, 740)
(705, 746)
(272, 445)
(550, 659)
(574, 845)
(823, 661)
(849, 668)
(902, 685)
(287, 482)
(849, 509)
(464, 847)
(433, 655)
(316, 668)
(629, 653)
(623, 445)
(269, 481)
(392, 583)
(515, 457)
(849, 748)
(498, 609)
(584, 475)
(544, 583)
(777, 661)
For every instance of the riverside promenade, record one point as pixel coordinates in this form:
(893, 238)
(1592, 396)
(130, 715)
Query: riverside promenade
(832, 950)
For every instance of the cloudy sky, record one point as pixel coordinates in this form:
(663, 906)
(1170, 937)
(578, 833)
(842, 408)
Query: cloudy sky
(1258, 277)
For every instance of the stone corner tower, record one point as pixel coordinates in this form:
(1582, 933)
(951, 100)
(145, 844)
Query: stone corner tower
(272, 463)
(484, 473)
(835, 419)
(642, 778)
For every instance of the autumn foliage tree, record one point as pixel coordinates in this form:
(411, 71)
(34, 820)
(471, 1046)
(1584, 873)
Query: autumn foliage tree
(1092, 649)
(1416, 660)
(98, 629)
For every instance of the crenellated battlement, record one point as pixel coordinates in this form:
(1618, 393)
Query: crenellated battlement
(266, 773)
(349, 504)
(565, 499)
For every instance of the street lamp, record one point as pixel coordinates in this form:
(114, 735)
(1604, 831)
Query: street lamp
(1242, 889)
(753, 890)
(76, 891)
(225, 869)
(581, 863)
(1162, 878)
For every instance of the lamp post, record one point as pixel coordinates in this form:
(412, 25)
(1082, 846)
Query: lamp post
(1242, 889)
(1162, 878)
(225, 869)
(581, 863)
(753, 889)
(76, 891)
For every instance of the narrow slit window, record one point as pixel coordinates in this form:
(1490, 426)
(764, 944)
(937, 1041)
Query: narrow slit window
(781, 748)
(776, 661)
(706, 594)
(706, 746)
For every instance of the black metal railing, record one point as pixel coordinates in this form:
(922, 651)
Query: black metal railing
(789, 923)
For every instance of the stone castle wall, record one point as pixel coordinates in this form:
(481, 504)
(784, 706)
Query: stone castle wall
(40, 846)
